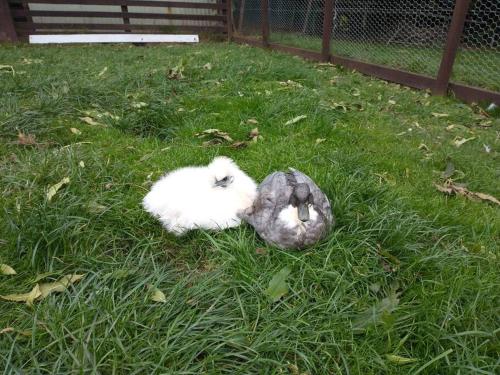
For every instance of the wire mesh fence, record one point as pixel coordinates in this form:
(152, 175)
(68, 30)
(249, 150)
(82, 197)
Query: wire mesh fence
(247, 18)
(298, 23)
(407, 35)
(478, 58)
(410, 36)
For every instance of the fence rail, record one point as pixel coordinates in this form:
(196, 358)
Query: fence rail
(446, 46)
(20, 18)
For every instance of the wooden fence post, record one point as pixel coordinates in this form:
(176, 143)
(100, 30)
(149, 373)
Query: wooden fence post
(229, 15)
(7, 29)
(450, 51)
(126, 20)
(26, 7)
(242, 16)
(264, 10)
(327, 28)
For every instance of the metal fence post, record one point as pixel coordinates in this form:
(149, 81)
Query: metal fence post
(7, 29)
(327, 28)
(452, 43)
(264, 10)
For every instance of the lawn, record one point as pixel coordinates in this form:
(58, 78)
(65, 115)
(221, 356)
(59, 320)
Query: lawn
(407, 283)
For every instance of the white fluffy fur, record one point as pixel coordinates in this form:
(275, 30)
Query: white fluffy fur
(187, 198)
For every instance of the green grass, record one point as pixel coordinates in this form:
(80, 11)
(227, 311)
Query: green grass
(407, 271)
(473, 67)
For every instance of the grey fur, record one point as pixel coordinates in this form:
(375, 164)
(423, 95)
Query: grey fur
(274, 194)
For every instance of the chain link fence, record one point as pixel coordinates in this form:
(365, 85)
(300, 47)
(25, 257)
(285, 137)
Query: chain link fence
(298, 23)
(247, 18)
(407, 35)
(402, 34)
(478, 57)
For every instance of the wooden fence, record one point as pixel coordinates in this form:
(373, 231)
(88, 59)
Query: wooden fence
(18, 18)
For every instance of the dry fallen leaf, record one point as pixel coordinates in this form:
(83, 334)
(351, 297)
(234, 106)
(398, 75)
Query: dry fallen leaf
(239, 145)
(340, 105)
(5, 68)
(54, 188)
(5, 269)
(391, 102)
(295, 120)
(89, 120)
(139, 105)
(96, 208)
(102, 72)
(81, 164)
(486, 197)
(252, 121)
(29, 297)
(435, 114)
(355, 92)
(294, 369)
(400, 360)
(99, 115)
(291, 84)
(459, 141)
(487, 148)
(485, 124)
(75, 131)
(260, 251)
(320, 140)
(157, 295)
(58, 286)
(214, 134)
(26, 139)
(207, 66)
(26, 61)
(213, 142)
(11, 329)
(326, 64)
(451, 188)
(43, 290)
(176, 72)
(254, 135)
(423, 146)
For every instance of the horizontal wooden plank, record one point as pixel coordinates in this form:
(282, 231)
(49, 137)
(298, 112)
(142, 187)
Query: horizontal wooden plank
(104, 26)
(24, 34)
(121, 15)
(162, 4)
(474, 94)
(305, 53)
(414, 80)
(112, 38)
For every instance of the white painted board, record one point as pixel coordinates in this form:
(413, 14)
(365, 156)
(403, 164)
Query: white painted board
(113, 38)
